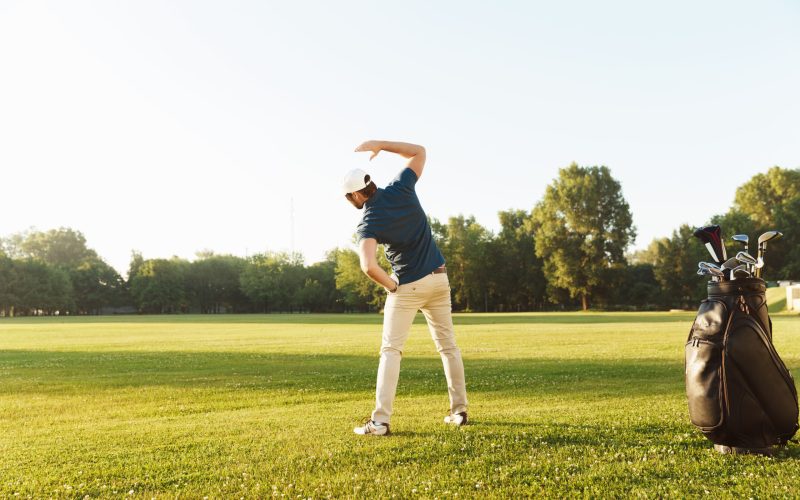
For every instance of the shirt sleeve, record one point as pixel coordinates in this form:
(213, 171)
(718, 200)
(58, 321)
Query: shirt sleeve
(364, 231)
(405, 181)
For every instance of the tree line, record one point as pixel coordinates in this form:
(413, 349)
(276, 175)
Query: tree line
(568, 252)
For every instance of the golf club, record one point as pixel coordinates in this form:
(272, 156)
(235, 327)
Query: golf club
(711, 236)
(705, 271)
(762, 248)
(712, 269)
(728, 265)
(749, 260)
(740, 272)
(744, 240)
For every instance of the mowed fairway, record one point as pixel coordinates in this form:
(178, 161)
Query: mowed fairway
(566, 404)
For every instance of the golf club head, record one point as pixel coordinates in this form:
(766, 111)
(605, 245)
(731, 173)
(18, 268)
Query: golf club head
(705, 271)
(762, 247)
(746, 258)
(710, 268)
(730, 264)
(740, 272)
(711, 236)
(769, 236)
(743, 239)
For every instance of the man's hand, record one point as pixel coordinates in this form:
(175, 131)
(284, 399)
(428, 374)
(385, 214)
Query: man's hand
(394, 288)
(373, 146)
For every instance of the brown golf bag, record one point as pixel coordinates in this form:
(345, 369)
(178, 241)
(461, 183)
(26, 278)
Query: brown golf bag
(741, 396)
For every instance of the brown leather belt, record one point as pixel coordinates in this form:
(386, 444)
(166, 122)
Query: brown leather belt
(439, 270)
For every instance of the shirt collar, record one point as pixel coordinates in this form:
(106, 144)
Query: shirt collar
(372, 199)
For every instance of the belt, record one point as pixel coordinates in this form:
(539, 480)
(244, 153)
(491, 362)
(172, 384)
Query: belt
(439, 270)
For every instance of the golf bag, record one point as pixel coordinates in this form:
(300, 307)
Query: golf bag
(740, 393)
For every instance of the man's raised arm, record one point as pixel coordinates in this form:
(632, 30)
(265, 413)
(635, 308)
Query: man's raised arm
(414, 152)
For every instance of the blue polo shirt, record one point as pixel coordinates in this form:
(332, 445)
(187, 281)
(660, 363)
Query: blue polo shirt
(394, 217)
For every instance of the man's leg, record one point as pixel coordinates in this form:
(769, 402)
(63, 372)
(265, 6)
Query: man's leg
(438, 312)
(398, 314)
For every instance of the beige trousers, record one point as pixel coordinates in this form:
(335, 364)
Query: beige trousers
(431, 295)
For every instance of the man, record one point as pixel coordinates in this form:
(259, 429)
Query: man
(394, 218)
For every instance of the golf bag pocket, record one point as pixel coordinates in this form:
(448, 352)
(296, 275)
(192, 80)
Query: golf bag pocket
(747, 424)
(704, 384)
(754, 366)
(710, 321)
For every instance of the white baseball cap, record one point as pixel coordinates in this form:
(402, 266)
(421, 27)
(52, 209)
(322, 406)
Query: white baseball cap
(354, 181)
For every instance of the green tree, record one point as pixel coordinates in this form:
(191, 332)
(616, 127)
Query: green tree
(736, 222)
(96, 285)
(439, 232)
(516, 272)
(633, 287)
(63, 247)
(38, 288)
(273, 281)
(770, 201)
(7, 299)
(212, 283)
(358, 291)
(584, 226)
(783, 258)
(137, 261)
(319, 292)
(639, 287)
(467, 252)
(767, 194)
(159, 286)
(675, 267)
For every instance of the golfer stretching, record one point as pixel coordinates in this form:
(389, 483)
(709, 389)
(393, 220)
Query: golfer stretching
(394, 218)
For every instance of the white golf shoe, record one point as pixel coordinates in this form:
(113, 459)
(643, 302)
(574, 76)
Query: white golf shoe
(458, 419)
(372, 428)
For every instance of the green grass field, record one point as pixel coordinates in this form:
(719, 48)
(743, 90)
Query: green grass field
(566, 404)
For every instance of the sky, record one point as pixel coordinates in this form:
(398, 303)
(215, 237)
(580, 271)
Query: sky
(176, 127)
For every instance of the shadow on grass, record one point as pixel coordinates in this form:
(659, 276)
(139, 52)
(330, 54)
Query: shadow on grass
(50, 371)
